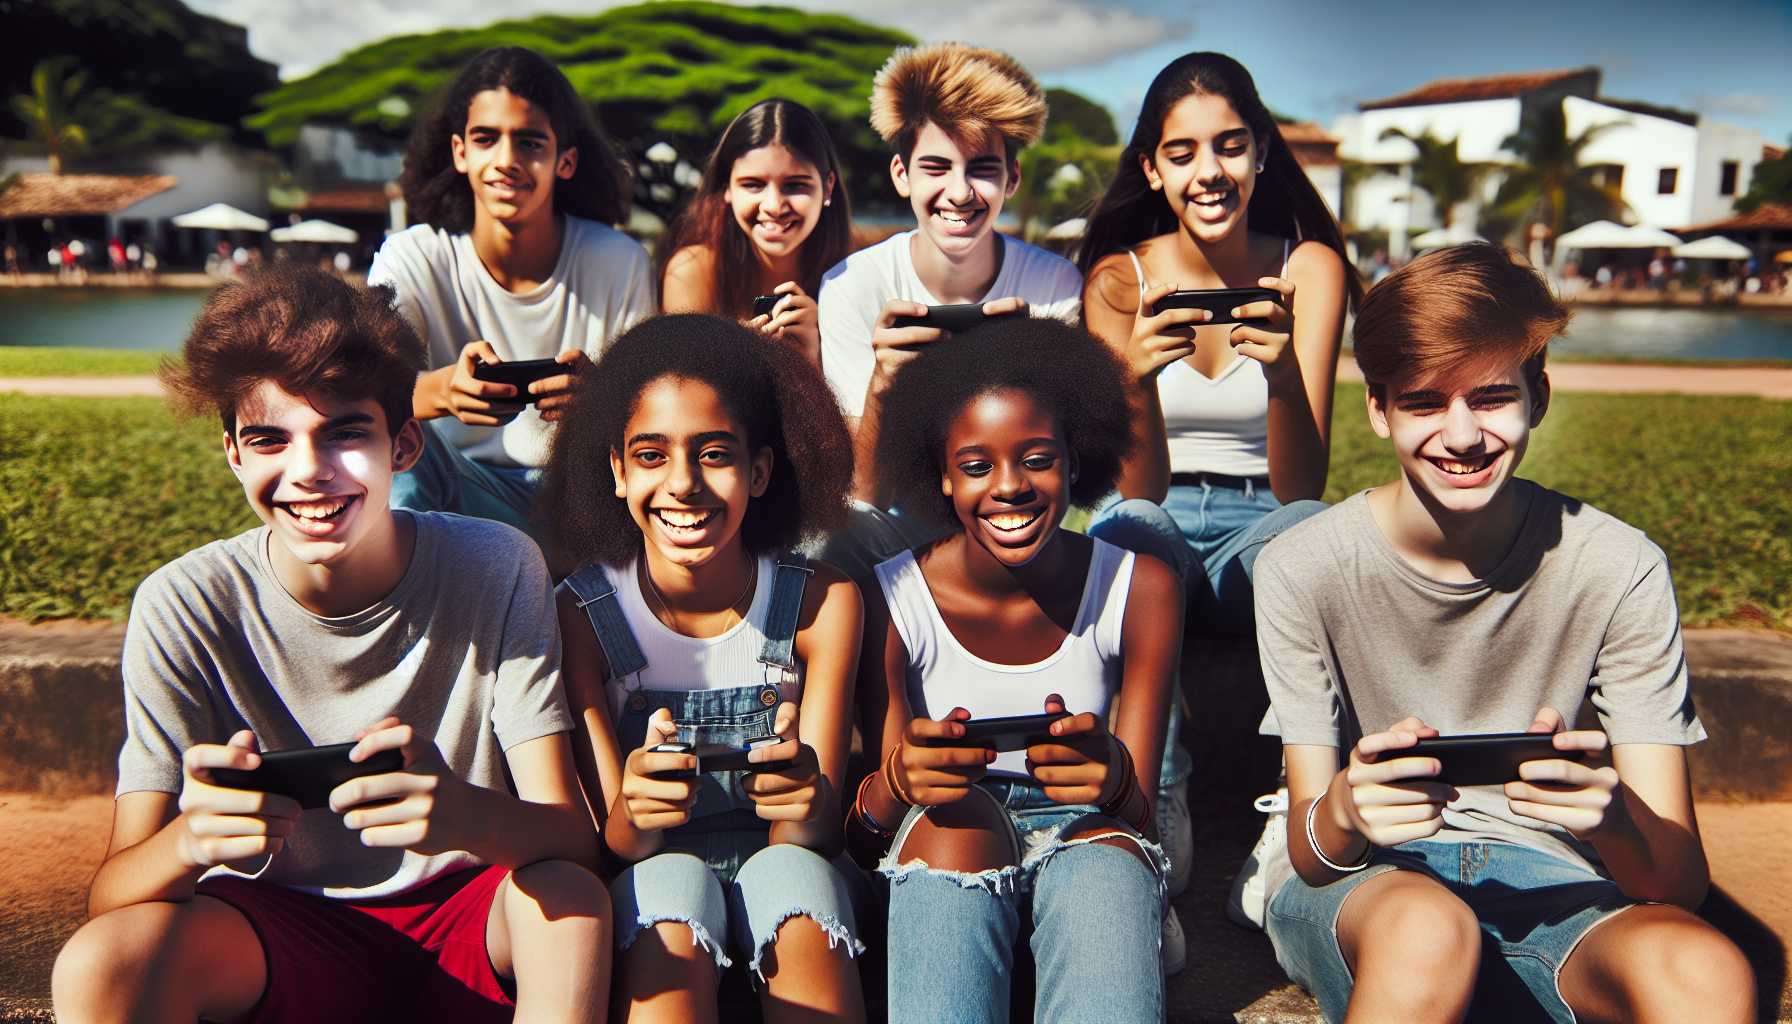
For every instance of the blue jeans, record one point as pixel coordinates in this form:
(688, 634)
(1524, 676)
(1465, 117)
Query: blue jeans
(446, 480)
(1533, 908)
(1096, 911)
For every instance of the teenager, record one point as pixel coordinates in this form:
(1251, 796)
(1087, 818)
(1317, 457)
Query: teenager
(956, 118)
(682, 478)
(428, 892)
(768, 217)
(996, 439)
(513, 187)
(1233, 422)
(1459, 598)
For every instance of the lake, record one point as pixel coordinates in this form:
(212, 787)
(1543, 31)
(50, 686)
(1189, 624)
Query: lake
(158, 319)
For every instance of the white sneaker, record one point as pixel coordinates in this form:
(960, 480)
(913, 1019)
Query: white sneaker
(1175, 947)
(1176, 831)
(1245, 904)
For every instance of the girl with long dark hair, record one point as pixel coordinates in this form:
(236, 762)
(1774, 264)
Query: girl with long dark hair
(768, 218)
(1232, 422)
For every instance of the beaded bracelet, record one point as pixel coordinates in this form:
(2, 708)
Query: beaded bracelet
(1313, 841)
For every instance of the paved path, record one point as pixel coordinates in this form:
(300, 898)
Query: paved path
(1767, 382)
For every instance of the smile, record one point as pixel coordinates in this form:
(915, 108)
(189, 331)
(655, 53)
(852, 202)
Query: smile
(1464, 467)
(322, 510)
(1012, 522)
(684, 519)
(959, 219)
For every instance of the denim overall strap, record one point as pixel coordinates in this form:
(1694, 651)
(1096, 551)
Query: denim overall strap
(592, 588)
(787, 604)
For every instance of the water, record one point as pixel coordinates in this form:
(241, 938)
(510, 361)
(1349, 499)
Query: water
(158, 319)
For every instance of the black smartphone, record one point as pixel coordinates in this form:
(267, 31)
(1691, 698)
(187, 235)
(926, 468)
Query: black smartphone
(307, 774)
(1220, 302)
(960, 317)
(762, 304)
(1017, 732)
(521, 373)
(1487, 759)
(723, 757)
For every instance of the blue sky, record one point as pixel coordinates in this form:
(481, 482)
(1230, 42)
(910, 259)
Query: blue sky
(1728, 59)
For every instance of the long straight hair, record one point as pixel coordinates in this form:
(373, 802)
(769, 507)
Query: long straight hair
(438, 195)
(1284, 202)
(708, 222)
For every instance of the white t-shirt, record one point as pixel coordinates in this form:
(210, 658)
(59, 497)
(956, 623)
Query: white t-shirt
(853, 293)
(602, 286)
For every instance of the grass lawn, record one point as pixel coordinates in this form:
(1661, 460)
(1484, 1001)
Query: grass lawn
(95, 493)
(53, 361)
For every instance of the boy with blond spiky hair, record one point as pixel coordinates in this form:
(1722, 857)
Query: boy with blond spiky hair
(956, 118)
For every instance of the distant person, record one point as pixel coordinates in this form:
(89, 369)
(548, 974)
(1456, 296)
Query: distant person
(1459, 598)
(1604, 277)
(12, 261)
(769, 216)
(514, 187)
(115, 255)
(458, 887)
(340, 262)
(956, 118)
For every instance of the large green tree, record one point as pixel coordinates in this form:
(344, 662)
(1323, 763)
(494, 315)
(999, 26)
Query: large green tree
(67, 118)
(1439, 169)
(48, 110)
(1548, 182)
(1771, 183)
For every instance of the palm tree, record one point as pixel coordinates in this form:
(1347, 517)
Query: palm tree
(48, 110)
(1549, 184)
(1440, 170)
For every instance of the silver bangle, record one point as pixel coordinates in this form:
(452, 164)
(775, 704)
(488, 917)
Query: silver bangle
(1313, 842)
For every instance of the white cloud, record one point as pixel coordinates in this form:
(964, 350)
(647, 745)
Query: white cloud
(1046, 35)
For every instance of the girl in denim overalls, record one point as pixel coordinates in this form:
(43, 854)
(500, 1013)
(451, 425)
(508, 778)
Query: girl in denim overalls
(692, 462)
(1015, 422)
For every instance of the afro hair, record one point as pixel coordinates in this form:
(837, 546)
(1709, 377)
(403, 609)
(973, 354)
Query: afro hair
(971, 93)
(775, 393)
(1067, 370)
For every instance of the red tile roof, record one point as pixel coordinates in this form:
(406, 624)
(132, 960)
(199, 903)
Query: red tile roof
(1489, 87)
(1311, 145)
(1770, 152)
(347, 199)
(76, 195)
(1766, 217)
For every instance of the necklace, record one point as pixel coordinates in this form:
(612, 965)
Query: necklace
(666, 607)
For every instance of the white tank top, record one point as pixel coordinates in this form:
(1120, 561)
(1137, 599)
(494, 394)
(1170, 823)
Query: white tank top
(942, 674)
(1215, 424)
(679, 662)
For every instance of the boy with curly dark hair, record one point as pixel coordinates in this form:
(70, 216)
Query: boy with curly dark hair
(427, 892)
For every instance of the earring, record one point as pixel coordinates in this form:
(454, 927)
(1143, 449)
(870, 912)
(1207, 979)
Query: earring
(1260, 168)
(1157, 186)
(829, 201)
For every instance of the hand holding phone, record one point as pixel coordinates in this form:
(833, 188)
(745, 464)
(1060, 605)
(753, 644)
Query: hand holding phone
(659, 786)
(1219, 303)
(957, 317)
(223, 824)
(306, 775)
(933, 764)
(519, 374)
(1076, 756)
(784, 782)
(1488, 759)
(1388, 795)
(1559, 787)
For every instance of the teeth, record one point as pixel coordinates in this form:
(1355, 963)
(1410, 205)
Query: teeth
(1011, 520)
(954, 218)
(683, 518)
(316, 509)
(1462, 468)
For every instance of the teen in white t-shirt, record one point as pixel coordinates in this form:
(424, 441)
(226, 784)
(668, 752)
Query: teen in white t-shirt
(513, 184)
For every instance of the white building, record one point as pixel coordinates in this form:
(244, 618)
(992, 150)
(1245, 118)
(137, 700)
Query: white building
(1673, 168)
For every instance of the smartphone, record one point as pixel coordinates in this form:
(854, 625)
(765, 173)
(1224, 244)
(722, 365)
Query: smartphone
(1220, 302)
(762, 304)
(1017, 732)
(960, 317)
(307, 774)
(1487, 759)
(521, 373)
(722, 757)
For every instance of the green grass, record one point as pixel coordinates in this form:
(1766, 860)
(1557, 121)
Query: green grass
(52, 361)
(94, 494)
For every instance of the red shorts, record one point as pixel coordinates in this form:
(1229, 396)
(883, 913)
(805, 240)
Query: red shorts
(419, 955)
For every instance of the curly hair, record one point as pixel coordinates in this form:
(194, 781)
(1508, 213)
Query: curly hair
(775, 393)
(305, 330)
(972, 94)
(438, 195)
(1065, 369)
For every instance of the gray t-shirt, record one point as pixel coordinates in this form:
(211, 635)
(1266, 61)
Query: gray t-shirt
(466, 649)
(601, 286)
(1354, 639)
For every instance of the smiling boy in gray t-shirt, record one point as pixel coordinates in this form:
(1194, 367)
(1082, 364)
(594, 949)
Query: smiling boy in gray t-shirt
(1460, 599)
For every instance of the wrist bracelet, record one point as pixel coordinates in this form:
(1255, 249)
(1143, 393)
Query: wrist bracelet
(863, 813)
(1313, 841)
(890, 776)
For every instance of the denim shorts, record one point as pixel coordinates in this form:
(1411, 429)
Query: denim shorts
(1534, 909)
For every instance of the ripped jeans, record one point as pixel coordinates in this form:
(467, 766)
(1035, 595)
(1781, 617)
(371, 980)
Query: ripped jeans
(1096, 913)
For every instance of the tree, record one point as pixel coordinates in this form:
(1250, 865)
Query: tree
(48, 110)
(1440, 170)
(1549, 185)
(1771, 183)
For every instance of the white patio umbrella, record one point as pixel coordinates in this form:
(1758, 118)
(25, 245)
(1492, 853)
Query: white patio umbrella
(1067, 229)
(1437, 238)
(316, 231)
(221, 217)
(1716, 247)
(1604, 234)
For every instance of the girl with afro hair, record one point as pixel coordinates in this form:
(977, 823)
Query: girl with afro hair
(687, 470)
(996, 436)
